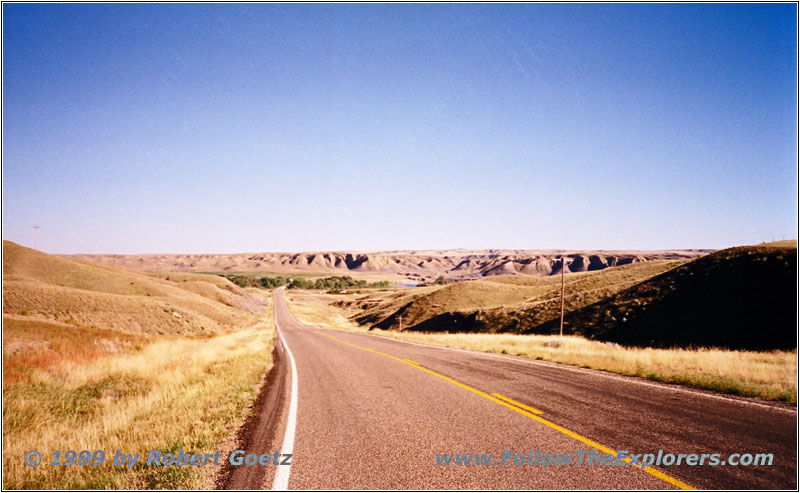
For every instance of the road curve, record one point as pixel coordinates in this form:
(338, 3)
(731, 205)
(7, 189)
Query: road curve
(373, 413)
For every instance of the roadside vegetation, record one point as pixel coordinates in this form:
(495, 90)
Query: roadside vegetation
(769, 375)
(128, 394)
(101, 358)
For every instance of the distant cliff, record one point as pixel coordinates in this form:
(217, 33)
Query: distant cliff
(453, 264)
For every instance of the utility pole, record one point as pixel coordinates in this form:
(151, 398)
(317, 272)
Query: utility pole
(35, 236)
(400, 318)
(563, 268)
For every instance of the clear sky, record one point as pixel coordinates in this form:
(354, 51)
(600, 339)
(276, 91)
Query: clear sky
(135, 128)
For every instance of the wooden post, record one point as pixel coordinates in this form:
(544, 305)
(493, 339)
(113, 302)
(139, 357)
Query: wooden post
(563, 268)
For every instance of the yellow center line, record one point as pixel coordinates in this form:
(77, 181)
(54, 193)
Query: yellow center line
(518, 404)
(525, 412)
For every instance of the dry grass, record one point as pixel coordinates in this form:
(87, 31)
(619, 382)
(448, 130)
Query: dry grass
(80, 293)
(316, 309)
(123, 392)
(768, 375)
(501, 295)
(100, 358)
(780, 244)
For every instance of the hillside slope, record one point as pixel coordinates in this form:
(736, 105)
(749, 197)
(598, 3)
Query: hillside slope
(47, 287)
(498, 304)
(114, 359)
(739, 298)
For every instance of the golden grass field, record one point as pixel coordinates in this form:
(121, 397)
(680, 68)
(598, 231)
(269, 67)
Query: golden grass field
(768, 375)
(315, 308)
(90, 363)
(76, 292)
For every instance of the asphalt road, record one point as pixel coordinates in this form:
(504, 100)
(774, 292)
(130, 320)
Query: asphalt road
(373, 413)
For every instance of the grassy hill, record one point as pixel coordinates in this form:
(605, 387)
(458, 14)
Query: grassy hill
(742, 297)
(739, 298)
(499, 303)
(80, 293)
(96, 357)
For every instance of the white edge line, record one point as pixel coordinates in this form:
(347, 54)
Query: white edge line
(624, 378)
(281, 481)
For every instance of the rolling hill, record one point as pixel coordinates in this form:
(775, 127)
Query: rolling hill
(47, 287)
(738, 298)
(498, 304)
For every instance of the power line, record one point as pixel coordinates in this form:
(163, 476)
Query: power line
(748, 235)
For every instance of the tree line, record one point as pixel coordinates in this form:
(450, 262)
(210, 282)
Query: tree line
(334, 284)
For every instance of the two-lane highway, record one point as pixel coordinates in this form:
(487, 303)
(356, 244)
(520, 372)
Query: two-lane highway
(372, 412)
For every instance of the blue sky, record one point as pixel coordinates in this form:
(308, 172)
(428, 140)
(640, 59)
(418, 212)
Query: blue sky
(133, 128)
